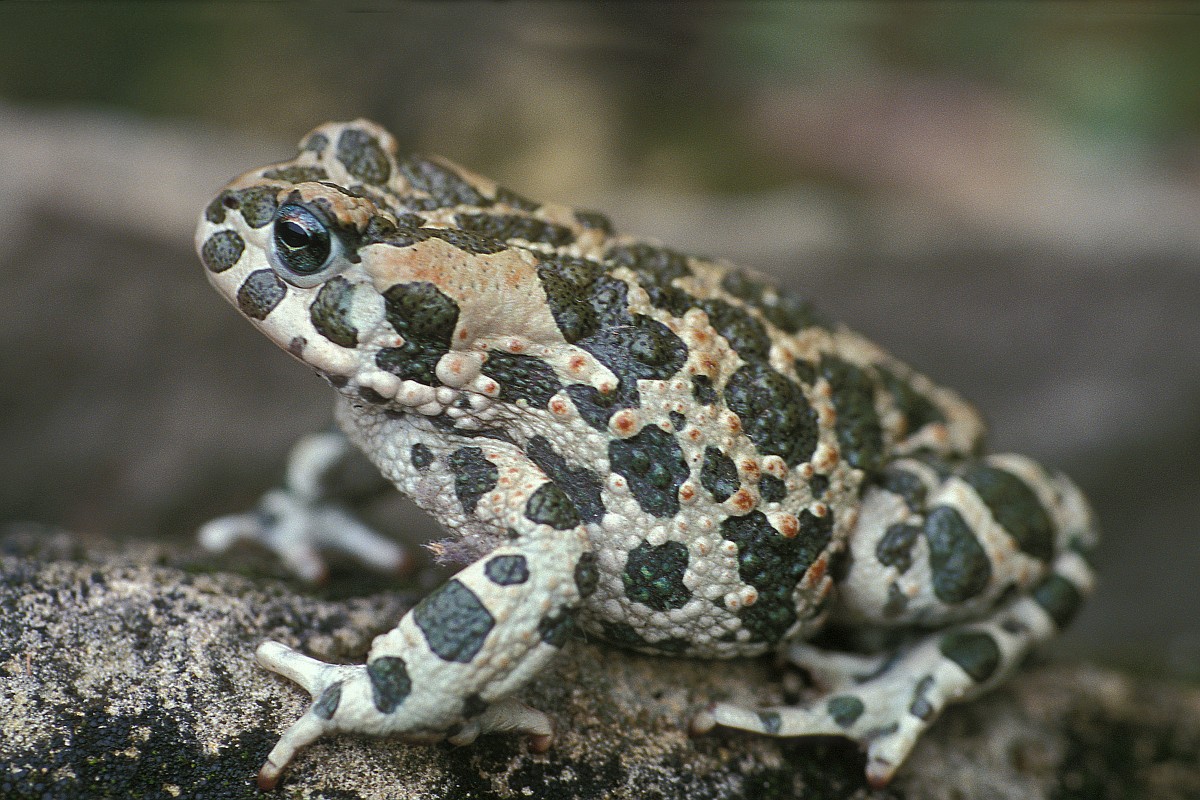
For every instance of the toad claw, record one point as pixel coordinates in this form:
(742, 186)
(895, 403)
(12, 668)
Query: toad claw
(322, 681)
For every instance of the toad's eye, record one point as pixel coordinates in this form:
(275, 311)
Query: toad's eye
(303, 245)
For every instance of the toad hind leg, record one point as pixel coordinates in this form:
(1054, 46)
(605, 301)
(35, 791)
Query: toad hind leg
(447, 669)
(886, 701)
(888, 711)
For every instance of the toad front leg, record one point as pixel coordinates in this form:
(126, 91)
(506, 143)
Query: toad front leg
(448, 668)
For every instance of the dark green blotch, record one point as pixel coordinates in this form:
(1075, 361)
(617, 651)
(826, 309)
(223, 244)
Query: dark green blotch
(580, 272)
(1059, 598)
(658, 265)
(327, 703)
(296, 174)
(670, 298)
(330, 312)
(390, 683)
(719, 474)
(894, 548)
(703, 391)
(404, 232)
(653, 575)
(785, 310)
(260, 293)
(444, 186)
(772, 489)
(214, 212)
(555, 628)
(858, 429)
(790, 313)
(587, 575)
(550, 505)
(315, 143)
(580, 483)
(422, 456)
(257, 204)
(806, 371)
(771, 721)
(518, 201)
(739, 284)
(362, 156)
(818, 484)
(653, 465)
(774, 412)
(222, 250)
(609, 299)
(745, 334)
(474, 476)
(522, 377)
(426, 318)
(597, 407)
(961, 569)
(645, 349)
(906, 484)
(845, 709)
(920, 707)
(454, 622)
(840, 563)
(568, 283)
(469, 242)
(515, 226)
(918, 409)
(572, 314)
(773, 565)
(594, 220)
(374, 195)
(420, 310)
(1015, 506)
(507, 570)
(975, 651)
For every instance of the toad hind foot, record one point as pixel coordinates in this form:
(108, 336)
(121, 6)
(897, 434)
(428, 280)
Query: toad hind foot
(888, 711)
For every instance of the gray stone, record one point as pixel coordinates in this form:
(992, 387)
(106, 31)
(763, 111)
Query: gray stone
(123, 678)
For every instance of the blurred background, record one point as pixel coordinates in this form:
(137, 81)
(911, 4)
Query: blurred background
(1006, 195)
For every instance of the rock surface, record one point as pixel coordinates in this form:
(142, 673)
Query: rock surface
(123, 677)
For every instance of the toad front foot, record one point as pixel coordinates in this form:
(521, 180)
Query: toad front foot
(379, 698)
(304, 517)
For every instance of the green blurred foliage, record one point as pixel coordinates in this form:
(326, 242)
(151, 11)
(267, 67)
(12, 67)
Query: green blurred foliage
(1111, 69)
(680, 73)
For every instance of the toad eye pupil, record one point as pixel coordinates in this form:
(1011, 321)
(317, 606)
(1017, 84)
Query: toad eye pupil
(293, 234)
